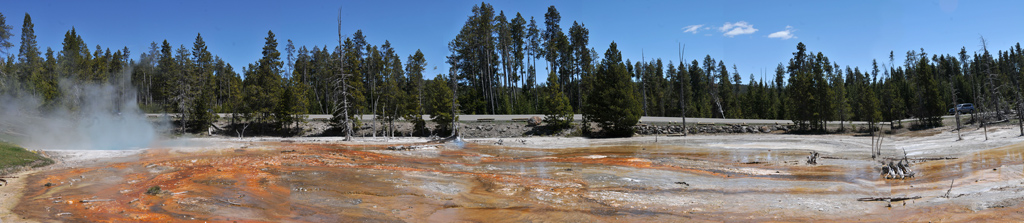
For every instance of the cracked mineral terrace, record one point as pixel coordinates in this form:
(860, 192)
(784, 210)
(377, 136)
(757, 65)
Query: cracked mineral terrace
(744, 177)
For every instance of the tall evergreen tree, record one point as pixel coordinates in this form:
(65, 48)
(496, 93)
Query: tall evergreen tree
(166, 66)
(929, 103)
(780, 104)
(616, 108)
(558, 112)
(578, 41)
(29, 61)
(439, 104)
(200, 79)
(290, 50)
(519, 50)
(5, 36)
(842, 107)
(263, 84)
(725, 92)
(698, 83)
(552, 33)
(534, 51)
(45, 82)
(414, 68)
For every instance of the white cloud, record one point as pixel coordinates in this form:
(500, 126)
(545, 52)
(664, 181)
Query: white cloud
(784, 34)
(692, 28)
(738, 28)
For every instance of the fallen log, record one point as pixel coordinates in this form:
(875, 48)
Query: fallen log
(445, 140)
(4, 182)
(890, 199)
(932, 158)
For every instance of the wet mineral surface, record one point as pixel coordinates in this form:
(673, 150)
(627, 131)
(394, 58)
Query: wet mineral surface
(326, 182)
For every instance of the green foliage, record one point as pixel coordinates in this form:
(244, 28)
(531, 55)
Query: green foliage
(809, 93)
(615, 108)
(15, 156)
(725, 92)
(699, 104)
(782, 100)
(263, 83)
(439, 104)
(288, 109)
(5, 35)
(414, 89)
(869, 106)
(198, 77)
(842, 106)
(391, 95)
(557, 110)
(474, 61)
(154, 190)
(929, 108)
(44, 83)
(349, 78)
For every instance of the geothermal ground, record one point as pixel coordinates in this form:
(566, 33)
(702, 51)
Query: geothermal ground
(744, 177)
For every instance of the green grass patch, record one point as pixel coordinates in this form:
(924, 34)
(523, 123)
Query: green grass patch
(14, 156)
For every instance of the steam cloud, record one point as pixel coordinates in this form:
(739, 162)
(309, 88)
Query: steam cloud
(86, 117)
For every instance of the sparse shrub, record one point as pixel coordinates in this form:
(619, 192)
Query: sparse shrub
(154, 190)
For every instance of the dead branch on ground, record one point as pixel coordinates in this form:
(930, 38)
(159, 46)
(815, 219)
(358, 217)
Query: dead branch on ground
(889, 199)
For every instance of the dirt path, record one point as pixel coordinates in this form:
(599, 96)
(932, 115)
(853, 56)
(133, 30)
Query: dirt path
(11, 194)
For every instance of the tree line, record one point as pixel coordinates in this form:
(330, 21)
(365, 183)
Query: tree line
(494, 64)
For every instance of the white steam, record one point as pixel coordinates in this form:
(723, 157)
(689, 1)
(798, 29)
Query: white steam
(86, 117)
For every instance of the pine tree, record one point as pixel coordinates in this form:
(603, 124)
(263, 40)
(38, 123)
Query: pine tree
(551, 34)
(439, 104)
(200, 81)
(263, 83)
(616, 108)
(701, 105)
(5, 37)
(44, 83)
(163, 84)
(29, 61)
(929, 105)
(808, 91)
(519, 50)
(290, 50)
(534, 51)
(842, 107)
(725, 92)
(558, 112)
(685, 92)
(414, 67)
(353, 73)
(392, 96)
(780, 104)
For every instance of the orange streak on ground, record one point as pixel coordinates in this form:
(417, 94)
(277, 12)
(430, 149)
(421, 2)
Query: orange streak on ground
(253, 186)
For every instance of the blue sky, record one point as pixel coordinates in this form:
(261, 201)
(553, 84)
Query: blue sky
(749, 34)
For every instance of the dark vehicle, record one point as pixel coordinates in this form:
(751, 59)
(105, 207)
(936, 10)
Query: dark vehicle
(963, 108)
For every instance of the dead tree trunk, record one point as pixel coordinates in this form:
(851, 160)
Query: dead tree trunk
(643, 81)
(344, 86)
(991, 86)
(682, 93)
(455, 100)
(952, 91)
